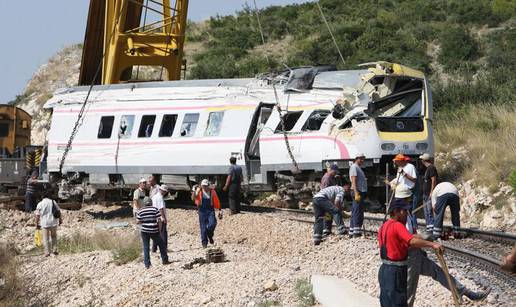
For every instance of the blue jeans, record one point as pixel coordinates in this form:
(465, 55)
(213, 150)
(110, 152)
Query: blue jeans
(357, 213)
(321, 206)
(415, 201)
(393, 285)
(448, 199)
(207, 222)
(156, 239)
(429, 213)
(164, 237)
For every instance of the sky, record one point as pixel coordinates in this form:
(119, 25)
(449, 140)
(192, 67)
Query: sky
(34, 30)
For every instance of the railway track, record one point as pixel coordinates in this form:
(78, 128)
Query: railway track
(481, 248)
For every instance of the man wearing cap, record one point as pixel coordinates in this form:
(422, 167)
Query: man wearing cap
(328, 200)
(138, 196)
(394, 241)
(159, 203)
(420, 264)
(446, 194)
(430, 181)
(30, 192)
(207, 201)
(358, 194)
(149, 219)
(407, 175)
(329, 180)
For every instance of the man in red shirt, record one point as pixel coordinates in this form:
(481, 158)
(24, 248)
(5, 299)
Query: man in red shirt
(394, 241)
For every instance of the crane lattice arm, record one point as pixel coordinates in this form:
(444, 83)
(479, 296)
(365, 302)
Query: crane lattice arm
(117, 39)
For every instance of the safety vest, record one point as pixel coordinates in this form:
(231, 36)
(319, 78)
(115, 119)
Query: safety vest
(215, 202)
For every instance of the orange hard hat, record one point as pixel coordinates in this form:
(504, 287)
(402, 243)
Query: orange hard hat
(400, 157)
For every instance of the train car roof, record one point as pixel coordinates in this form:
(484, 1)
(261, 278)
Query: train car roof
(324, 80)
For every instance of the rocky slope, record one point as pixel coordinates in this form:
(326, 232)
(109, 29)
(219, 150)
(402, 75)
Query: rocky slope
(62, 70)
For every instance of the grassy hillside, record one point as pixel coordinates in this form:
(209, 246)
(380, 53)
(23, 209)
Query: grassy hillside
(466, 48)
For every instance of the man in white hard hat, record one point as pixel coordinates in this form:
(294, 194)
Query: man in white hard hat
(430, 179)
(207, 200)
(138, 196)
(159, 203)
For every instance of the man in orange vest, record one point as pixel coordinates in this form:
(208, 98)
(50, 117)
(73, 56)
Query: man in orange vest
(207, 201)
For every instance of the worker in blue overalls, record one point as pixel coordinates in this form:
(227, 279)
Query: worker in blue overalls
(207, 201)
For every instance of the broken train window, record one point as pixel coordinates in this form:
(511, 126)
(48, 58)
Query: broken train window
(290, 120)
(189, 124)
(214, 124)
(126, 126)
(315, 120)
(146, 126)
(167, 125)
(105, 127)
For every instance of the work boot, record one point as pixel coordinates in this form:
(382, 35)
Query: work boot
(476, 296)
(317, 242)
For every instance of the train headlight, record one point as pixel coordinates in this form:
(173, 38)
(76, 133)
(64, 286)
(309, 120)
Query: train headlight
(421, 146)
(388, 146)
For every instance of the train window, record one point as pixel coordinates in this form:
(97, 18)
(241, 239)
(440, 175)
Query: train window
(4, 130)
(25, 124)
(189, 124)
(167, 125)
(146, 126)
(126, 126)
(214, 124)
(315, 120)
(105, 127)
(290, 119)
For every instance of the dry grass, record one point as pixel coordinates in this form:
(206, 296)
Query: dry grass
(10, 283)
(124, 248)
(488, 134)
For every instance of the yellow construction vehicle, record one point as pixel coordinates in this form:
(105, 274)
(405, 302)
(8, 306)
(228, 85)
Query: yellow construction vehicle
(121, 37)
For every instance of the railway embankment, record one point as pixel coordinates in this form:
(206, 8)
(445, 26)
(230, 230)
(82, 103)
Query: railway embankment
(268, 257)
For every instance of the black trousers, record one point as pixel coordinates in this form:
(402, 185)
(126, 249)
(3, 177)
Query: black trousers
(393, 285)
(234, 198)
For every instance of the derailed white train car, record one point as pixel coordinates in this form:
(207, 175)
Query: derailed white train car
(181, 130)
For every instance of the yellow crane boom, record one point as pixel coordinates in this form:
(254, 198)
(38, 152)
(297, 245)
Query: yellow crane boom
(118, 40)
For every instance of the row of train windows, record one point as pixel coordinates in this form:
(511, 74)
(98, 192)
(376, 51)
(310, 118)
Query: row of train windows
(190, 120)
(166, 129)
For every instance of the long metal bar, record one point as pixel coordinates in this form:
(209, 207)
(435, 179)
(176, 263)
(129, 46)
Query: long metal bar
(451, 285)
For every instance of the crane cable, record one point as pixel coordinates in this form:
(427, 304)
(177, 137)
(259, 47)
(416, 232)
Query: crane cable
(278, 105)
(83, 107)
(331, 32)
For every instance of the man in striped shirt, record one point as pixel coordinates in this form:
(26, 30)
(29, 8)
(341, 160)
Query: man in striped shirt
(328, 200)
(149, 219)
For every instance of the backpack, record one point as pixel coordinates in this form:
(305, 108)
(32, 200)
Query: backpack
(55, 210)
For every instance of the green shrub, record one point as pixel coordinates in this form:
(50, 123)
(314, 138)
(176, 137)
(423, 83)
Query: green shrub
(512, 179)
(457, 48)
(304, 293)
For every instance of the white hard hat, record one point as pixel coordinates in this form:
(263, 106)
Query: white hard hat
(163, 188)
(425, 157)
(402, 191)
(143, 180)
(205, 183)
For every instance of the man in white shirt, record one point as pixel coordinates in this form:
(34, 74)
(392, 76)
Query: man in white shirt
(446, 194)
(138, 196)
(48, 220)
(159, 203)
(407, 175)
(153, 185)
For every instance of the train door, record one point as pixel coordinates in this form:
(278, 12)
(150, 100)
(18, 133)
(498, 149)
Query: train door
(252, 145)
